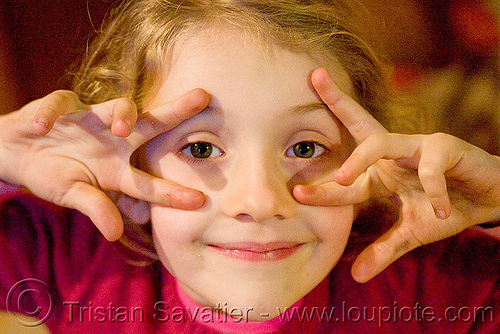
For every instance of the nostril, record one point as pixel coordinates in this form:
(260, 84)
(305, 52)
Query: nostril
(247, 218)
(244, 218)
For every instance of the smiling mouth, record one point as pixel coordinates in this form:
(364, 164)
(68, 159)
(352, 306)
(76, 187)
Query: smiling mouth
(257, 252)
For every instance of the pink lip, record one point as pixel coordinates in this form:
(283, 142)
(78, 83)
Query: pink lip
(257, 252)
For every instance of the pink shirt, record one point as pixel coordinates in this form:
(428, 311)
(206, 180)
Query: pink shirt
(56, 265)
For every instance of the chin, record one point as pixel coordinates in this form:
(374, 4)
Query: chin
(260, 300)
(260, 305)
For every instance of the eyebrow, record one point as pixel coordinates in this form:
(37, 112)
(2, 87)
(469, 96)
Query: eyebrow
(306, 108)
(299, 109)
(212, 111)
(296, 110)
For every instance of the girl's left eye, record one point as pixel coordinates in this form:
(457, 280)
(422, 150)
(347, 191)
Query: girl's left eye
(201, 150)
(305, 150)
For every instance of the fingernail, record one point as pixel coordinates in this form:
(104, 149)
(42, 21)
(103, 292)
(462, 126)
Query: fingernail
(307, 191)
(441, 214)
(123, 123)
(43, 121)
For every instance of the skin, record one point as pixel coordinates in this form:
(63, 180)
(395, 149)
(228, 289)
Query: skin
(444, 184)
(248, 180)
(80, 158)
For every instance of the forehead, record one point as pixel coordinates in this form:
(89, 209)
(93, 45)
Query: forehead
(232, 62)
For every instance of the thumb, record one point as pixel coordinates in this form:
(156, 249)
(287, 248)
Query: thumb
(396, 242)
(96, 205)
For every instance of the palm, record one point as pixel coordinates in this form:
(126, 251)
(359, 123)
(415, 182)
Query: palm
(80, 156)
(417, 221)
(82, 149)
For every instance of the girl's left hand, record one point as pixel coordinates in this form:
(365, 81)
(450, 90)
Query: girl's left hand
(444, 185)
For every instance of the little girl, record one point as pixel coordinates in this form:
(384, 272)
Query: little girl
(272, 154)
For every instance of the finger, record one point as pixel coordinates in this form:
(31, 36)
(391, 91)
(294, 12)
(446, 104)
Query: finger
(151, 124)
(138, 184)
(124, 117)
(134, 210)
(97, 206)
(384, 251)
(357, 120)
(437, 157)
(53, 106)
(331, 193)
(377, 147)
(119, 114)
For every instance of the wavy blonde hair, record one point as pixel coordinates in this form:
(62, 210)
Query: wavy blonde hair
(128, 56)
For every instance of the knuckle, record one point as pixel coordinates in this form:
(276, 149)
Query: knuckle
(375, 139)
(60, 101)
(124, 104)
(147, 188)
(359, 127)
(352, 195)
(373, 143)
(405, 242)
(427, 173)
(441, 138)
(384, 249)
(63, 96)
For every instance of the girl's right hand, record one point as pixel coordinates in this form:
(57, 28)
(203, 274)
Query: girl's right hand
(69, 153)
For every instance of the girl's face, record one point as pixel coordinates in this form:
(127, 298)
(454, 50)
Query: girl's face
(251, 246)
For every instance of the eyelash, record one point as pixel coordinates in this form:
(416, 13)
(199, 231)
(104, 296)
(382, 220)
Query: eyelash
(317, 147)
(187, 150)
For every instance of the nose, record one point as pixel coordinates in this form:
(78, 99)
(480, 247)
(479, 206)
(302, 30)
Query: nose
(257, 191)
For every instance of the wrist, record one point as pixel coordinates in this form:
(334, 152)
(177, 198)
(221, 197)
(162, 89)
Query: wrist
(7, 160)
(494, 217)
(3, 150)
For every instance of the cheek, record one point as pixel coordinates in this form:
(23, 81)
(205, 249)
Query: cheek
(172, 223)
(175, 234)
(331, 226)
(204, 177)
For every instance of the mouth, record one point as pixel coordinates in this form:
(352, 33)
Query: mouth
(257, 252)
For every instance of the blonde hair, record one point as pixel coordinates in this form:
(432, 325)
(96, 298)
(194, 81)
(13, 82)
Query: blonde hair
(127, 57)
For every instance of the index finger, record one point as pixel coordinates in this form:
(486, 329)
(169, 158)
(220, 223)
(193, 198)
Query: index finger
(355, 118)
(153, 123)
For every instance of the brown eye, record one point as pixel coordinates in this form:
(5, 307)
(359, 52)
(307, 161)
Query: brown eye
(201, 150)
(305, 150)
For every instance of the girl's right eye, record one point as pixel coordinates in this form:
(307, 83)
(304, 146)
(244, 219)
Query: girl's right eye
(201, 150)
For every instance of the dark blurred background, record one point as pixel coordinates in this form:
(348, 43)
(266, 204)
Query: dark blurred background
(39, 42)
(444, 53)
